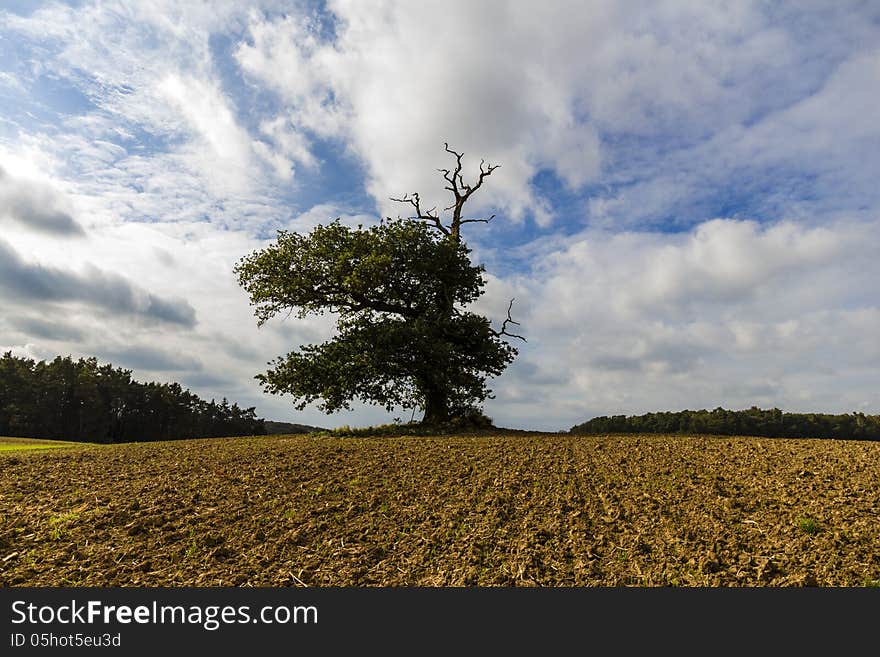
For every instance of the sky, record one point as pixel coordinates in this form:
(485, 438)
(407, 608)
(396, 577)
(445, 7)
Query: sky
(687, 205)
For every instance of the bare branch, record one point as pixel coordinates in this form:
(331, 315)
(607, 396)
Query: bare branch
(454, 177)
(430, 216)
(485, 171)
(477, 221)
(450, 178)
(507, 321)
(458, 157)
(412, 200)
(462, 191)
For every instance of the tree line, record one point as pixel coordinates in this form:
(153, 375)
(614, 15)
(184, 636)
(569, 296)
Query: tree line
(80, 400)
(772, 423)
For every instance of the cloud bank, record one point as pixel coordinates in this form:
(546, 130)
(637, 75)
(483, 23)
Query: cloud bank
(109, 292)
(35, 206)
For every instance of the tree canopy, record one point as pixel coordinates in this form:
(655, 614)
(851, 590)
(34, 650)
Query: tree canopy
(400, 290)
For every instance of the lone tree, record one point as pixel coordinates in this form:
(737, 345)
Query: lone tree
(399, 288)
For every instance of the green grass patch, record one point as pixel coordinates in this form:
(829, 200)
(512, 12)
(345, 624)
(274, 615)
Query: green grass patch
(20, 444)
(64, 517)
(59, 524)
(809, 526)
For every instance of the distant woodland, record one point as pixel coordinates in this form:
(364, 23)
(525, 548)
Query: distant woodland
(277, 428)
(772, 423)
(80, 400)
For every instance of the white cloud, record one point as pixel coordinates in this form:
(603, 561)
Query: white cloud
(149, 68)
(810, 160)
(403, 78)
(728, 314)
(226, 154)
(290, 142)
(532, 88)
(204, 108)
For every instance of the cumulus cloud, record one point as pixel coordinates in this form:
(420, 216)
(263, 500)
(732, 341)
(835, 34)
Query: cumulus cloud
(564, 87)
(723, 262)
(397, 83)
(110, 292)
(730, 313)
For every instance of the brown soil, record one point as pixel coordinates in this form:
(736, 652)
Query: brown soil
(549, 510)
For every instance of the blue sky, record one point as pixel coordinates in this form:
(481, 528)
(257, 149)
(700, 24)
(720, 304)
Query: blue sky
(687, 208)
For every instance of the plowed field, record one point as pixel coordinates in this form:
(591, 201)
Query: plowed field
(507, 510)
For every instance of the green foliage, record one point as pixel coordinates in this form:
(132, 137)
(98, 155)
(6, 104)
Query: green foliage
(771, 423)
(80, 400)
(397, 267)
(403, 338)
(809, 526)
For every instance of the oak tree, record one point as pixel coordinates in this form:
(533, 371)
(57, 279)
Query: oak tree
(400, 290)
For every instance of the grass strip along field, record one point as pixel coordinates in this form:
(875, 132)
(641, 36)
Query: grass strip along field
(503, 510)
(19, 444)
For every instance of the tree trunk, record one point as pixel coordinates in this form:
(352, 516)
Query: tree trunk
(436, 407)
